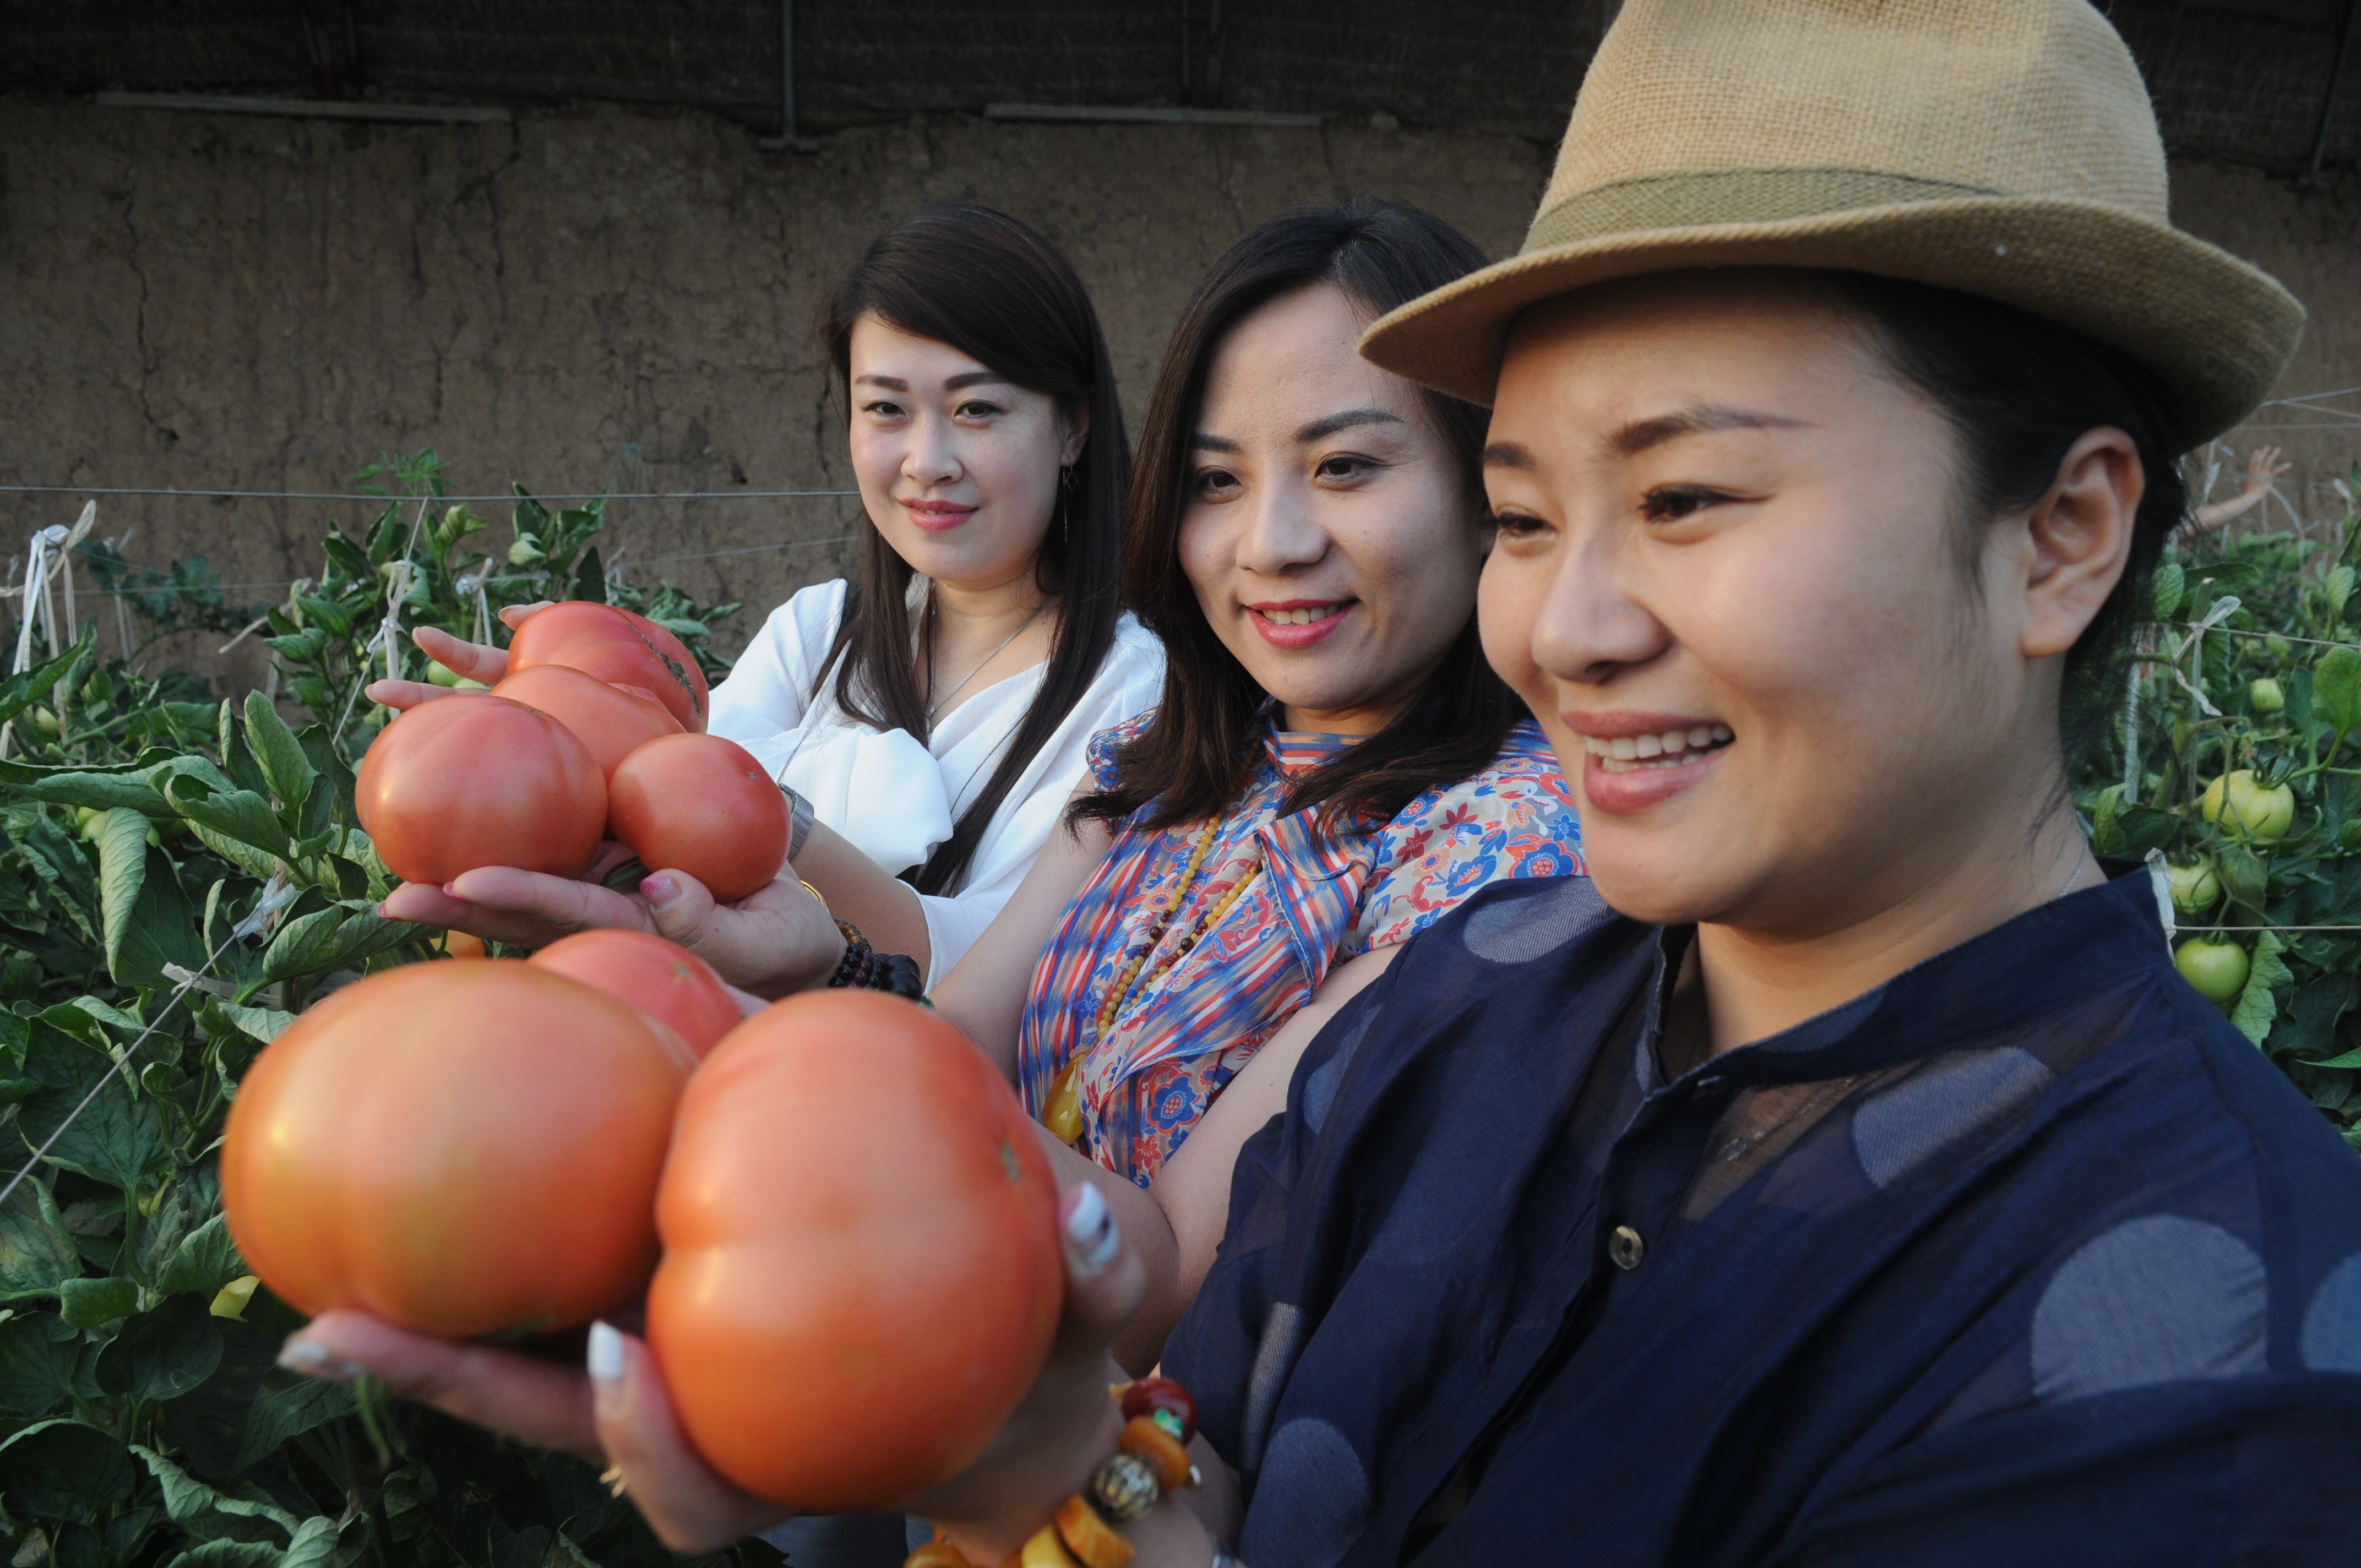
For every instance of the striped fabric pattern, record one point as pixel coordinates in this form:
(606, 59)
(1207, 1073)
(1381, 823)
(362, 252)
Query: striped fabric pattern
(1192, 1020)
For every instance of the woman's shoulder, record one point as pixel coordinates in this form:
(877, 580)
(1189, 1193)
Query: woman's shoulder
(1135, 658)
(1114, 738)
(1522, 782)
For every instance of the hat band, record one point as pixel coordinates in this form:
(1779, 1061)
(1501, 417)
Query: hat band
(1700, 199)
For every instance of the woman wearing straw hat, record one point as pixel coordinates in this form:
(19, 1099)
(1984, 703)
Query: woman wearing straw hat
(1844, 1176)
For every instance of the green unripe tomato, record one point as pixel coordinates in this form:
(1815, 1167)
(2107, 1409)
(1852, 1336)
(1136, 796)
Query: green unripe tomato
(2218, 969)
(45, 721)
(2252, 811)
(2195, 889)
(441, 676)
(2266, 696)
(2280, 647)
(87, 819)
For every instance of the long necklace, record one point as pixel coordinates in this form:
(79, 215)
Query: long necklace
(1168, 906)
(938, 705)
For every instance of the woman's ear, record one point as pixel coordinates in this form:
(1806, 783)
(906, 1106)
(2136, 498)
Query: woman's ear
(2077, 539)
(1077, 425)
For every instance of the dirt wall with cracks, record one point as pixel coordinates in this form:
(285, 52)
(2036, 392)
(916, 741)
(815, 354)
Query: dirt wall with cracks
(625, 299)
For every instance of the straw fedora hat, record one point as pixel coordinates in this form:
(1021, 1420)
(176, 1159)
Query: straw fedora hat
(2003, 148)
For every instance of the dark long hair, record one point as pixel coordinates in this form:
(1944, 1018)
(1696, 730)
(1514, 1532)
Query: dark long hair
(1192, 760)
(1002, 294)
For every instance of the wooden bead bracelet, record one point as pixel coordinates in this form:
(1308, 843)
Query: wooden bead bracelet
(1151, 1459)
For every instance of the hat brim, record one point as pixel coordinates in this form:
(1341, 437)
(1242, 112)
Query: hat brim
(2215, 331)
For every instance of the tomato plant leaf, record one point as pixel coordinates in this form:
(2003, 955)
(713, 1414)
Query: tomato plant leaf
(205, 1260)
(147, 920)
(21, 690)
(238, 814)
(93, 1300)
(288, 1405)
(2336, 690)
(331, 938)
(189, 1501)
(2255, 1010)
(282, 759)
(64, 1470)
(36, 1254)
(99, 792)
(37, 1365)
(116, 1139)
(162, 1353)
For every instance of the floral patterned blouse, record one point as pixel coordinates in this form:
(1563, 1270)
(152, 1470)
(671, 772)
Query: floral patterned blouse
(1200, 1003)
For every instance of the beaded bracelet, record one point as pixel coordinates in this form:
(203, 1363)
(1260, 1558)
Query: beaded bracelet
(1152, 1459)
(864, 968)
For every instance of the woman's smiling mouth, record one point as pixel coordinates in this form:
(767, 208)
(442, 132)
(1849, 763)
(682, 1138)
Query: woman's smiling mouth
(1297, 623)
(1634, 761)
(1623, 753)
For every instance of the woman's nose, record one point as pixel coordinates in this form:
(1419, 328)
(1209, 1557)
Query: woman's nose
(1590, 624)
(932, 457)
(1278, 533)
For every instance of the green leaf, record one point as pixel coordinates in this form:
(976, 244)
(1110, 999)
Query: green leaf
(2142, 828)
(284, 763)
(147, 920)
(237, 814)
(229, 1554)
(238, 757)
(99, 792)
(189, 1501)
(19, 691)
(2255, 1010)
(2167, 592)
(64, 1471)
(37, 1365)
(289, 1405)
(162, 1353)
(590, 578)
(205, 1260)
(332, 937)
(87, 1303)
(36, 1254)
(117, 1138)
(2336, 690)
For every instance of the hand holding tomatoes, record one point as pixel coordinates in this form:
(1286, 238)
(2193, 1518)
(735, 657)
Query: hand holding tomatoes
(775, 940)
(1047, 1449)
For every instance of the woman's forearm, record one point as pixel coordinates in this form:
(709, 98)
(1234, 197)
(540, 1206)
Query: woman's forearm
(858, 891)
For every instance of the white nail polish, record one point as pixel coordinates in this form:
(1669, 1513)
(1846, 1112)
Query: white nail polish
(1091, 1232)
(606, 1358)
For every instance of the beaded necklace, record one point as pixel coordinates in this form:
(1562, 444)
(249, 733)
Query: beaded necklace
(1169, 905)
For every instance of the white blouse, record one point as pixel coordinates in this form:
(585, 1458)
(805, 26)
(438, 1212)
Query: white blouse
(895, 798)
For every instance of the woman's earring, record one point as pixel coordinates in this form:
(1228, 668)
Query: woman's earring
(1066, 504)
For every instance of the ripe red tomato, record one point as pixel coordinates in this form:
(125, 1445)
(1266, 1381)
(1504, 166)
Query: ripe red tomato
(464, 782)
(615, 646)
(860, 1273)
(612, 721)
(662, 980)
(701, 804)
(463, 1148)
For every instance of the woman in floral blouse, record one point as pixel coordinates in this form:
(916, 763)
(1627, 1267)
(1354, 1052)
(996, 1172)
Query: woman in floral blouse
(1332, 766)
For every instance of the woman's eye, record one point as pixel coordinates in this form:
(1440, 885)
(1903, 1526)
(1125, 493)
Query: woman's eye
(882, 410)
(1670, 503)
(978, 410)
(1517, 525)
(1343, 467)
(1213, 484)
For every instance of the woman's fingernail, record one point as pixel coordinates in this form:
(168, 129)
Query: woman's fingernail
(605, 1357)
(313, 1359)
(660, 889)
(1090, 1234)
(450, 890)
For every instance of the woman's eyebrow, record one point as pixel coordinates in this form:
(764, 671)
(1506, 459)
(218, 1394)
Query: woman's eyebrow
(1201, 442)
(1697, 419)
(1321, 429)
(951, 383)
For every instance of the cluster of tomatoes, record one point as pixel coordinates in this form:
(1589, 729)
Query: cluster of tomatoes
(597, 732)
(839, 1218)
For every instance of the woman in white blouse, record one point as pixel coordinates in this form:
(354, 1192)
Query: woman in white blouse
(932, 714)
